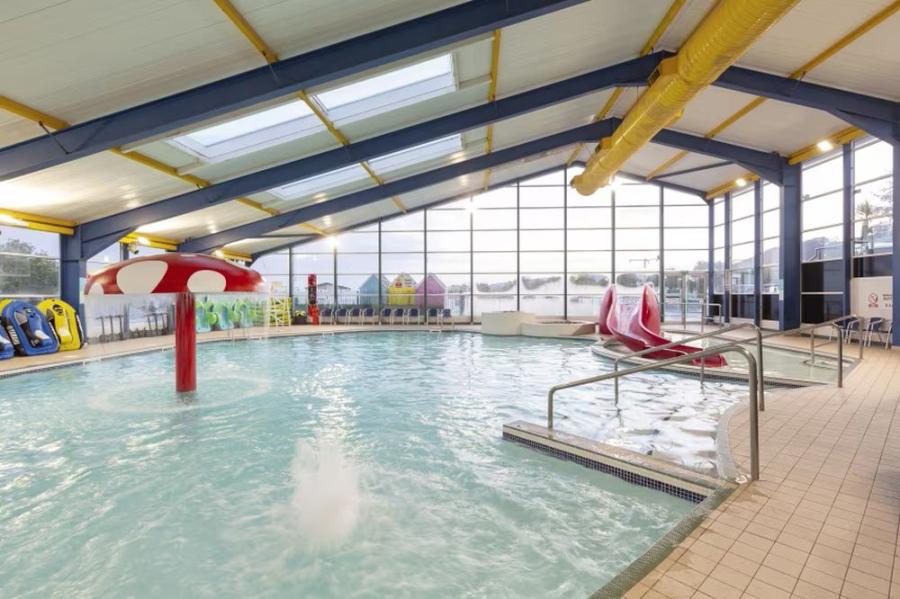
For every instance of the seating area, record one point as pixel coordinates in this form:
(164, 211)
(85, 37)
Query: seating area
(387, 315)
(864, 330)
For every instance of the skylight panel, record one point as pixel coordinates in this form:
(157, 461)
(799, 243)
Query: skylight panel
(422, 153)
(419, 154)
(250, 133)
(389, 91)
(321, 183)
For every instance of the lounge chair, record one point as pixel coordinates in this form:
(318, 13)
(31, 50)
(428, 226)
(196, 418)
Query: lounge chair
(447, 316)
(399, 314)
(339, 314)
(433, 315)
(385, 316)
(412, 315)
(326, 316)
(367, 313)
(355, 313)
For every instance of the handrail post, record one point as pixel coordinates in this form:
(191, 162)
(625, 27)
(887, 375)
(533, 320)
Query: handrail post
(550, 409)
(812, 345)
(759, 370)
(754, 421)
(616, 382)
(840, 359)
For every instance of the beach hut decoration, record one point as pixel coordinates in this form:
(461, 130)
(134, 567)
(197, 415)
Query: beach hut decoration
(183, 275)
(402, 291)
(431, 292)
(373, 291)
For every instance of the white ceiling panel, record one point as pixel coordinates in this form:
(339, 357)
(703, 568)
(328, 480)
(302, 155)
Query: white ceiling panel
(581, 38)
(204, 222)
(806, 31)
(547, 121)
(88, 188)
(709, 179)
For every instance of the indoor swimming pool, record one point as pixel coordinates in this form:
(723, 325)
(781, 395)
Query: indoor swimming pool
(344, 465)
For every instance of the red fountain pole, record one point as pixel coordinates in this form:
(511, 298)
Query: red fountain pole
(185, 343)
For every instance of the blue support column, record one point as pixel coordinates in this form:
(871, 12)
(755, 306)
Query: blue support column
(726, 295)
(895, 259)
(791, 248)
(847, 249)
(710, 268)
(72, 267)
(757, 251)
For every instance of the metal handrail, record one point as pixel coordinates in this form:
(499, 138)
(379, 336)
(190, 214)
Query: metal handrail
(759, 360)
(754, 383)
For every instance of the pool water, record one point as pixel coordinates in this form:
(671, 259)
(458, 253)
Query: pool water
(361, 465)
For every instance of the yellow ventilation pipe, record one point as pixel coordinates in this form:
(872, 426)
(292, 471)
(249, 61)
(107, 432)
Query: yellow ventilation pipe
(726, 33)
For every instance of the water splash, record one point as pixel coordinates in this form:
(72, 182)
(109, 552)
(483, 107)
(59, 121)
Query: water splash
(326, 502)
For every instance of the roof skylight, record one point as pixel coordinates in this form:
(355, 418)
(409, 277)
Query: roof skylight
(250, 133)
(394, 161)
(389, 91)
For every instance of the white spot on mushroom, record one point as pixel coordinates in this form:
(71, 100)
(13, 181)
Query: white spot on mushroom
(206, 281)
(141, 277)
(96, 289)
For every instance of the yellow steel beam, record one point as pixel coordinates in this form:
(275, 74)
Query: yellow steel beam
(65, 227)
(245, 28)
(841, 137)
(232, 255)
(799, 73)
(152, 241)
(257, 41)
(491, 96)
(657, 34)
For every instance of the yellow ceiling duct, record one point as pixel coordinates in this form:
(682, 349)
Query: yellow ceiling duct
(726, 33)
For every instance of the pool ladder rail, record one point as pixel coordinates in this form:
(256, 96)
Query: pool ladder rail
(756, 375)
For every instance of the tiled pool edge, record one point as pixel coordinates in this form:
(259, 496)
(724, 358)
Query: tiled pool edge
(706, 492)
(659, 551)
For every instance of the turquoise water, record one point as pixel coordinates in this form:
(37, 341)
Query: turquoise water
(365, 465)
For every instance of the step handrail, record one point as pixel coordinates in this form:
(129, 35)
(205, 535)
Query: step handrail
(727, 348)
(746, 325)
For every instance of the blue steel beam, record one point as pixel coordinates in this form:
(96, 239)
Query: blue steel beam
(100, 233)
(696, 169)
(374, 194)
(429, 32)
(791, 248)
(355, 200)
(876, 116)
(768, 165)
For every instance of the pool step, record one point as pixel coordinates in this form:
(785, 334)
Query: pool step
(628, 465)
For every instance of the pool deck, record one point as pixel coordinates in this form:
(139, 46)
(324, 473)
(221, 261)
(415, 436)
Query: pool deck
(823, 520)
(821, 523)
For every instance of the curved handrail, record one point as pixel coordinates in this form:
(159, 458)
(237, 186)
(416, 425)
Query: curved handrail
(754, 383)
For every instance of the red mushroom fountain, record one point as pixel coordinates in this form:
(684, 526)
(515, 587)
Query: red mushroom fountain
(183, 275)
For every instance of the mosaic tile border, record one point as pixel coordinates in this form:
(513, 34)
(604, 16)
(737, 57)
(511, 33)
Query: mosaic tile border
(626, 475)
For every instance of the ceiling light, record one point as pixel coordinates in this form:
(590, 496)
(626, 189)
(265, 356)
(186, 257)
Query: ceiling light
(142, 240)
(825, 145)
(740, 182)
(12, 220)
(332, 242)
(219, 254)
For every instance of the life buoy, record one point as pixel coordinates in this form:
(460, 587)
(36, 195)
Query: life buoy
(65, 322)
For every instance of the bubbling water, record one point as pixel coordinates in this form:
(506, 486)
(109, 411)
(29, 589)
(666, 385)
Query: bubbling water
(325, 505)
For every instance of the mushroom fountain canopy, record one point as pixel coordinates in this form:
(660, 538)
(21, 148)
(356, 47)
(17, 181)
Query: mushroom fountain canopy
(174, 273)
(182, 275)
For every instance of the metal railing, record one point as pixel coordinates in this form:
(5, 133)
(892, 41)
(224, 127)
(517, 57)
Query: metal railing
(704, 311)
(737, 347)
(759, 356)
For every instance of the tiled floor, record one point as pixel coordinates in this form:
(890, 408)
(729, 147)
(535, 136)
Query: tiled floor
(823, 520)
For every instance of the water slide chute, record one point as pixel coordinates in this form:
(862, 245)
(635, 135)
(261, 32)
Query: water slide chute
(223, 316)
(65, 322)
(28, 329)
(606, 304)
(642, 329)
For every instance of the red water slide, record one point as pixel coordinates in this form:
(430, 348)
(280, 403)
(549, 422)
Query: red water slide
(642, 328)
